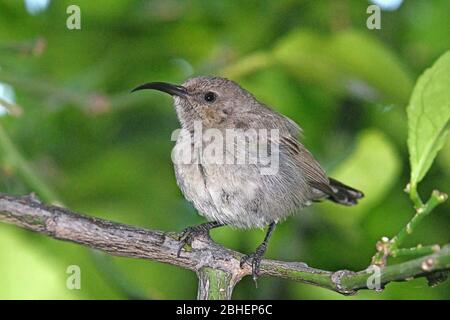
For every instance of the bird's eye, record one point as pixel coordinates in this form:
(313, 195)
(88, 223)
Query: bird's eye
(210, 96)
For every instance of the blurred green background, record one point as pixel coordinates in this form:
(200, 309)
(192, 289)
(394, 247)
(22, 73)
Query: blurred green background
(83, 139)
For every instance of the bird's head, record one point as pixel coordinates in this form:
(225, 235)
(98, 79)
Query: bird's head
(211, 100)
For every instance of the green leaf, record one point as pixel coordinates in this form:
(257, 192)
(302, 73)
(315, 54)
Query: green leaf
(305, 55)
(247, 65)
(373, 167)
(347, 61)
(428, 117)
(28, 272)
(366, 59)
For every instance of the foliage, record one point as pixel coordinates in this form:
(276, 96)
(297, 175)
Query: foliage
(429, 117)
(76, 135)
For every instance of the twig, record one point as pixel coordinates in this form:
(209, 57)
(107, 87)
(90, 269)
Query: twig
(386, 247)
(423, 210)
(55, 95)
(217, 267)
(33, 47)
(12, 108)
(418, 250)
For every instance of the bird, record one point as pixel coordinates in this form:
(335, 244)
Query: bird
(239, 193)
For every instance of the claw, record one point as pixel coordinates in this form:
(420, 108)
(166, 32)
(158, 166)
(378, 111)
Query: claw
(186, 238)
(255, 258)
(190, 233)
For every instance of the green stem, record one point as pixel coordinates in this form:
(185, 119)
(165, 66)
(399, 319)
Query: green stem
(422, 211)
(414, 196)
(375, 277)
(418, 250)
(214, 284)
(400, 272)
(388, 247)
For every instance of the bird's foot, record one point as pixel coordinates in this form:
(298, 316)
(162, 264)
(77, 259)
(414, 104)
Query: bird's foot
(190, 233)
(254, 259)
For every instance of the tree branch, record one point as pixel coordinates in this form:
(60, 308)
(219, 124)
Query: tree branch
(217, 267)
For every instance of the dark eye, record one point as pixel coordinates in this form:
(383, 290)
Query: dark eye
(210, 96)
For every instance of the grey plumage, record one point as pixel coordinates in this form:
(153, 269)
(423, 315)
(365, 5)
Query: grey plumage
(236, 194)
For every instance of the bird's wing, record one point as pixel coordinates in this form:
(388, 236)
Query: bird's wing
(322, 187)
(314, 174)
(289, 130)
(316, 177)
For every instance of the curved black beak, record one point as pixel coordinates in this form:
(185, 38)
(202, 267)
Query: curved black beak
(172, 89)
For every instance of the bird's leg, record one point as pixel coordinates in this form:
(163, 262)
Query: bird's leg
(257, 256)
(188, 234)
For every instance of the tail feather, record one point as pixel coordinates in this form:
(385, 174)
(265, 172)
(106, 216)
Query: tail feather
(344, 194)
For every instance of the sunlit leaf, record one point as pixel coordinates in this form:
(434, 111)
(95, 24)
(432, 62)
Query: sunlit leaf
(247, 65)
(304, 54)
(33, 273)
(428, 117)
(348, 61)
(370, 61)
(372, 168)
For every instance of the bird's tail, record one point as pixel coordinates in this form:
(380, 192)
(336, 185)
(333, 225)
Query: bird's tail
(344, 194)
